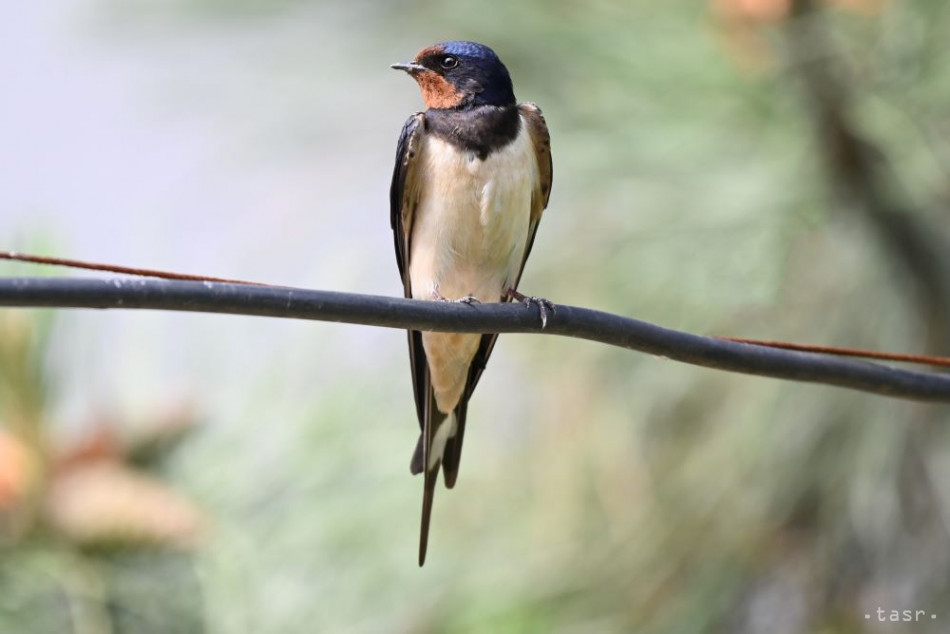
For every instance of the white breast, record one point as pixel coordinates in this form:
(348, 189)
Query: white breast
(469, 234)
(471, 225)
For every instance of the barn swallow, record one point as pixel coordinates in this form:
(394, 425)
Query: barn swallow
(472, 177)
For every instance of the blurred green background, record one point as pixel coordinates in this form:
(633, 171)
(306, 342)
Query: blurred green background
(736, 167)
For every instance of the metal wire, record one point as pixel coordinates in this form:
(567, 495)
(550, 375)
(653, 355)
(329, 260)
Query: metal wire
(390, 312)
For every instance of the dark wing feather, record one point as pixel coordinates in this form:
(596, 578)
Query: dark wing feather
(403, 199)
(541, 139)
(403, 193)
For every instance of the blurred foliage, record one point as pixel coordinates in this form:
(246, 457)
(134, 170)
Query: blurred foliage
(601, 491)
(84, 534)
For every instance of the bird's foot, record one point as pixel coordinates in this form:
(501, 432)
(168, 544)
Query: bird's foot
(468, 300)
(544, 305)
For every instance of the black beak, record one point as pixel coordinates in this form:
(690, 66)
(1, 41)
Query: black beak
(409, 67)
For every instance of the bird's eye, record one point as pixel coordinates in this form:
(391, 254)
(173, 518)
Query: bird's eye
(448, 62)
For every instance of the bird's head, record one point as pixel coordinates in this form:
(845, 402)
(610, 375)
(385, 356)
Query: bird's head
(460, 75)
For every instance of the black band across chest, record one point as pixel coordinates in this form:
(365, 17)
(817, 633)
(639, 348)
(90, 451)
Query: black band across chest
(481, 130)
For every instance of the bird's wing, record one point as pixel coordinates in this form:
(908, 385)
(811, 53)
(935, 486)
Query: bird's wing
(541, 140)
(404, 198)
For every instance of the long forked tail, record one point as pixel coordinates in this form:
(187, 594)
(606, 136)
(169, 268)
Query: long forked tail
(427, 458)
(428, 494)
(439, 430)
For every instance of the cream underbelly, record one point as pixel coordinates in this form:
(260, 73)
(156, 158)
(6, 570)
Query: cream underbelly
(469, 234)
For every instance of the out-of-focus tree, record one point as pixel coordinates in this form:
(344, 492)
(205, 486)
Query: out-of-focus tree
(77, 509)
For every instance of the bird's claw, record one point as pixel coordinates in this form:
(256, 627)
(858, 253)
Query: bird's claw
(468, 300)
(544, 305)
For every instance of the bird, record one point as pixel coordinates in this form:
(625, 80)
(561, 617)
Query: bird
(471, 179)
